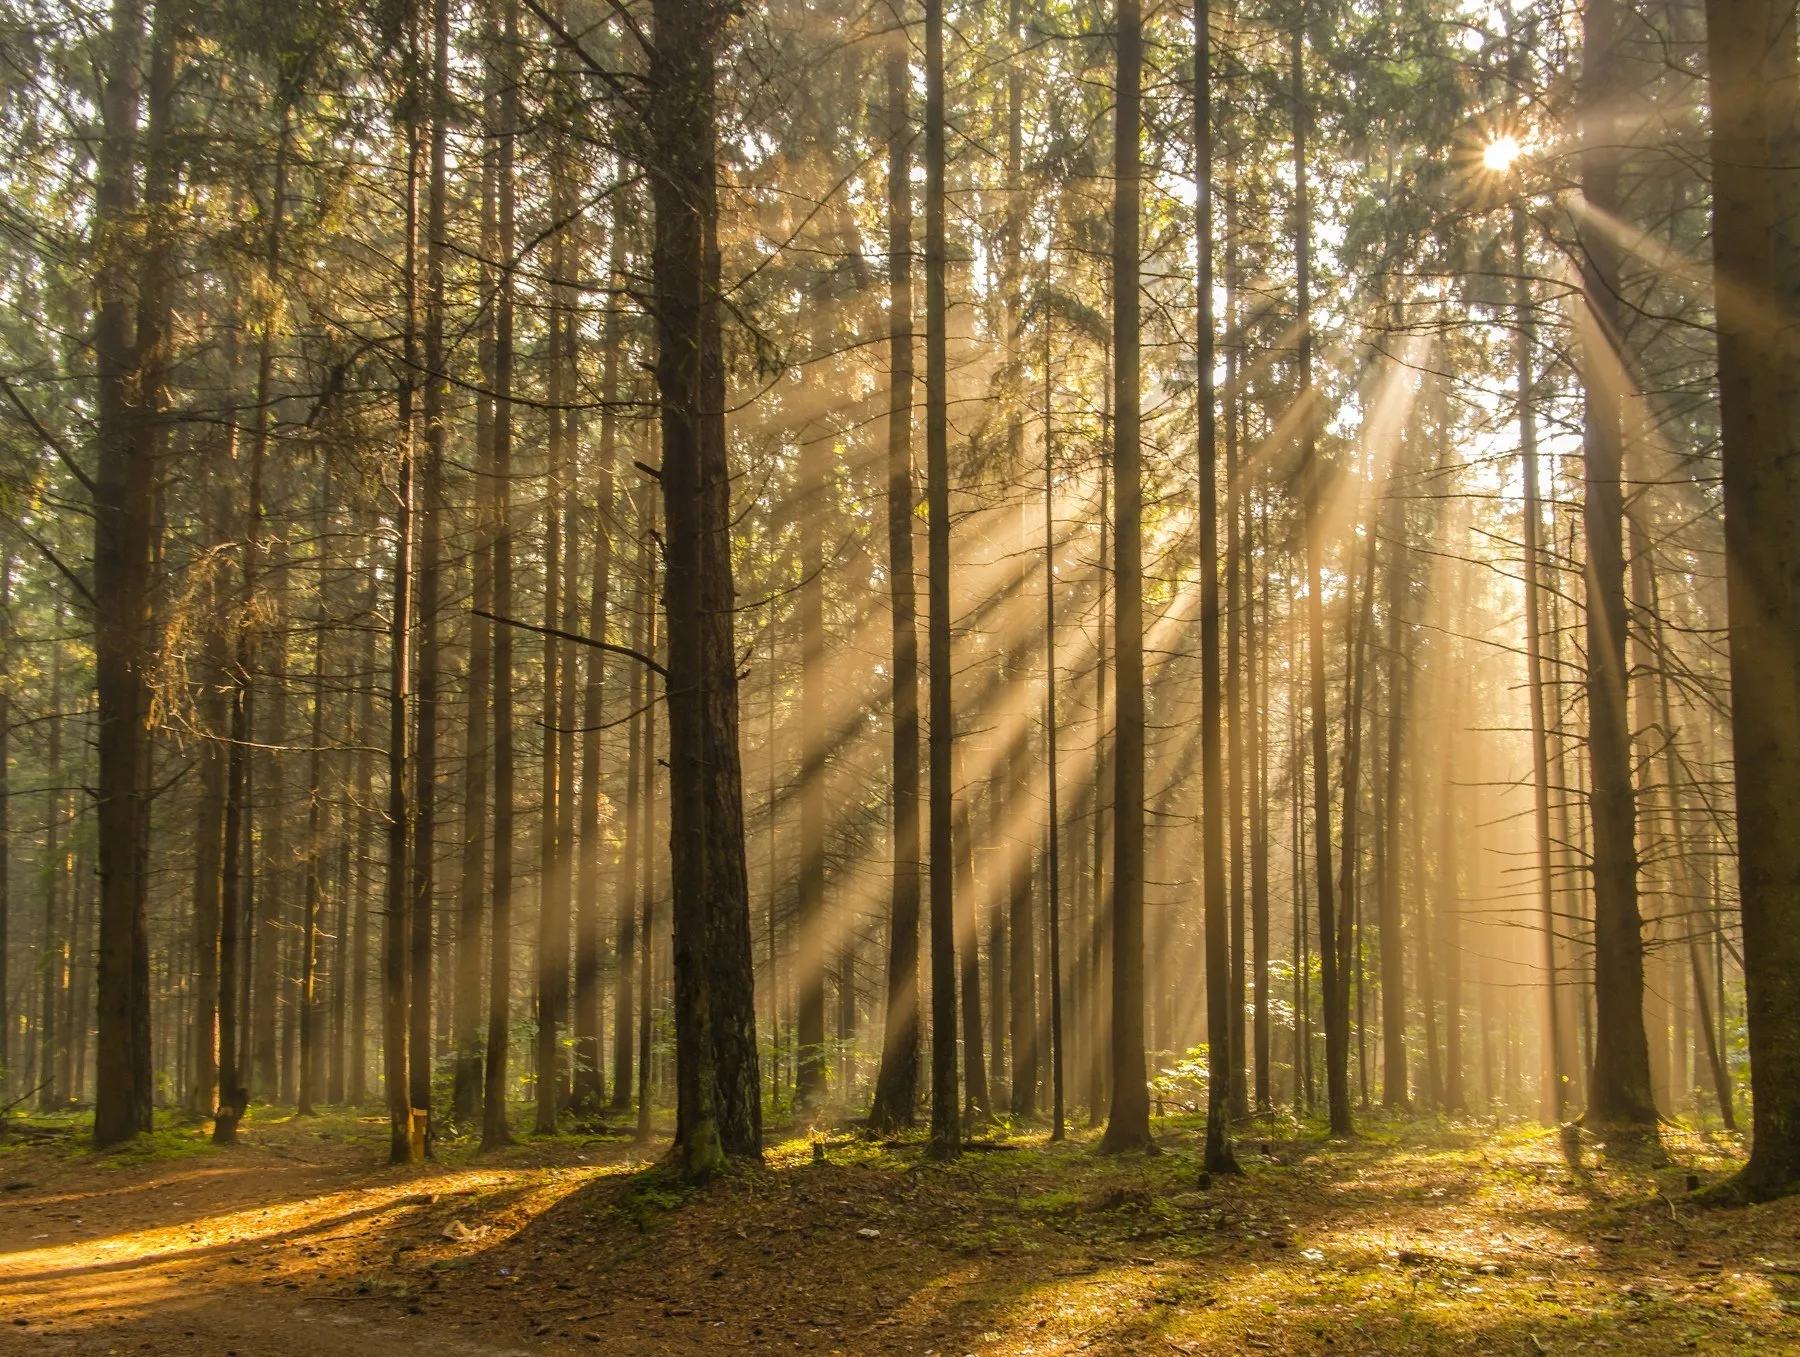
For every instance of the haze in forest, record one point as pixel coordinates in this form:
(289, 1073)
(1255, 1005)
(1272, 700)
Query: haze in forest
(1062, 576)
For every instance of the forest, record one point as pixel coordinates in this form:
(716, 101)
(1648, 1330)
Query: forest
(693, 675)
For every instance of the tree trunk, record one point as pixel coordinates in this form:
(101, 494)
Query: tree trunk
(946, 1133)
(897, 1080)
(429, 602)
(213, 711)
(719, 1105)
(1753, 58)
(1394, 1092)
(405, 1142)
(1128, 1121)
(809, 1034)
(466, 1082)
(1224, 980)
(502, 65)
(1335, 993)
(590, 1075)
(1619, 1090)
(637, 838)
(124, 470)
(553, 900)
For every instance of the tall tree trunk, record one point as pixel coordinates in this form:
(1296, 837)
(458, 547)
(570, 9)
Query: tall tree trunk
(503, 66)
(358, 1059)
(265, 890)
(1756, 188)
(1399, 695)
(53, 949)
(1237, 624)
(553, 901)
(466, 1082)
(1524, 340)
(1128, 1121)
(946, 1132)
(647, 838)
(1052, 810)
(405, 1140)
(429, 602)
(1224, 981)
(1021, 928)
(809, 1034)
(590, 1076)
(317, 822)
(1335, 992)
(637, 841)
(1619, 1089)
(719, 1104)
(897, 1080)
(213, 710)
(124, 470)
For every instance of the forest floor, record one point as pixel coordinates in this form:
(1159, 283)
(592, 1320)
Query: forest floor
(1417, 1236)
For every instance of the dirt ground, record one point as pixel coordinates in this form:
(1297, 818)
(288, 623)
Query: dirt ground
(1416, 1237)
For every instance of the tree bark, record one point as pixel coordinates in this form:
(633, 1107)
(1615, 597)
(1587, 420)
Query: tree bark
(1619, 1089)
(897, 1079)
(124, 471)
(1335, 993)
(1755, 249)
(503, 66)
(946, 1132)
(719, 1105)
(1224, 981)
(1128, 1120)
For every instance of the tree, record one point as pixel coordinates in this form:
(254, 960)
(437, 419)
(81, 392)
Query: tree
(1752, 54)
(1128, 1124)
(1619, 1083)
(124, 472)
(946, 1131)
(1223, 1051)
(896, 1081)
(719, 1096)
(503, 100)
(1335, 992)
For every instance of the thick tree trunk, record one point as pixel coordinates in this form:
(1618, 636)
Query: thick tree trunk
(124, 471)
(719, 1105)
(1755, 223)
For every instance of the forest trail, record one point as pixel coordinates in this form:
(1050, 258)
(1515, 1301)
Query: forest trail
(1411, 1239)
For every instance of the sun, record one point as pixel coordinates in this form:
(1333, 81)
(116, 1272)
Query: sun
(1498, 155)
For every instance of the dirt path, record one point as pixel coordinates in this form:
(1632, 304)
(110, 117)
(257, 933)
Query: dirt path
(1410, 1239)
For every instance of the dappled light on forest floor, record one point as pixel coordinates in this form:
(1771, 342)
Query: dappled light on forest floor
(1417, 1237)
